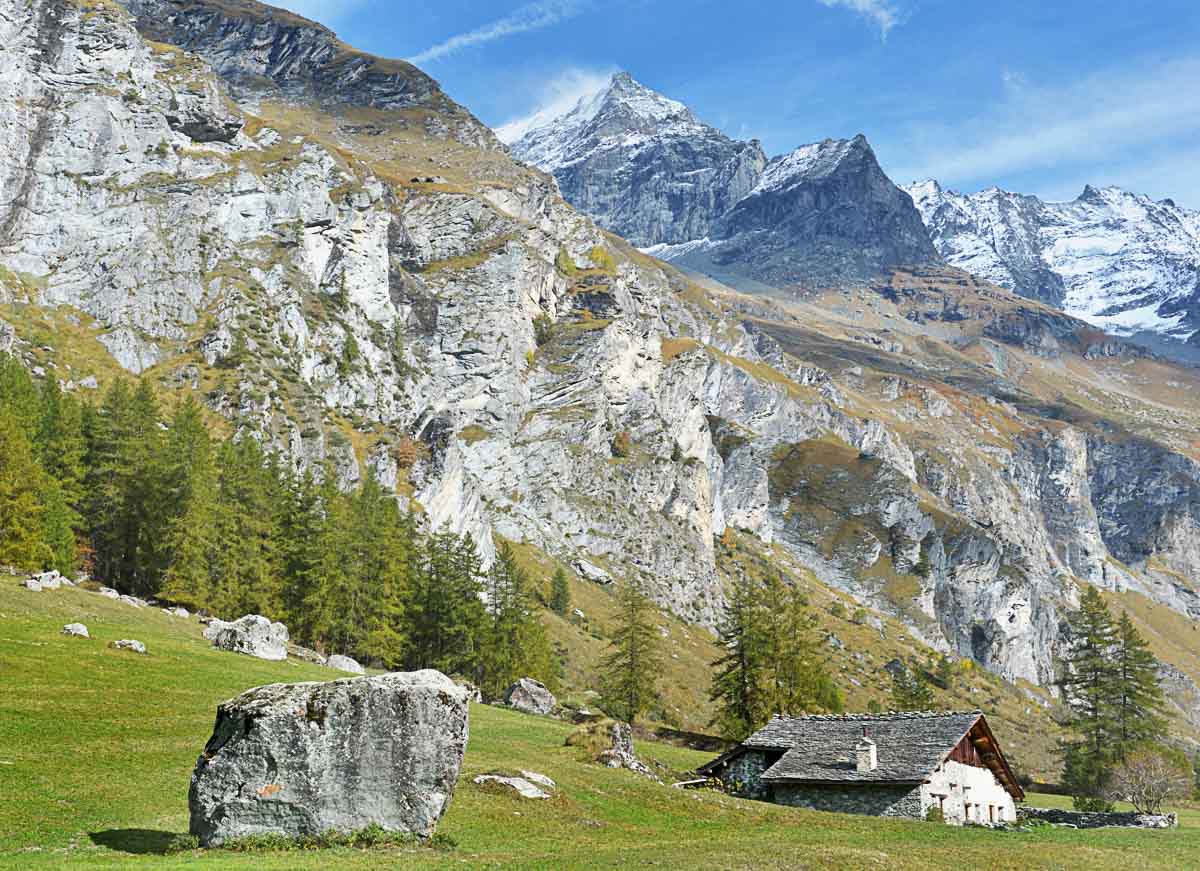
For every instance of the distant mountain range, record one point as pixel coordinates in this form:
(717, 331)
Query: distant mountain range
(644, 167)
(1121, 261)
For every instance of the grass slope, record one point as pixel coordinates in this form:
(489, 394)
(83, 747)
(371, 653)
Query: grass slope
(96, 747)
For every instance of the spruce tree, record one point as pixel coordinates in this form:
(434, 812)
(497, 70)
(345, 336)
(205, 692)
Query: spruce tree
(629, 678)
(515, 644)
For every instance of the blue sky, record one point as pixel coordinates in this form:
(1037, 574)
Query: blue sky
(1032, 95)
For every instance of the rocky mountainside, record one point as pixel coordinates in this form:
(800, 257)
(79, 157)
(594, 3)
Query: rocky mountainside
(1120, 261)
(643, 167)
(369, 282)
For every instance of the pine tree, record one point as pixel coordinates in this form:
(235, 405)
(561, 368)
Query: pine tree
(560, 592)
(60, 442)
(22, 522)
(1137, 697)
(301, 535)
(629, 679)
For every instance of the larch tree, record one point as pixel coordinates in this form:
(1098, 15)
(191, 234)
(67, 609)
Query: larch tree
(629, 677)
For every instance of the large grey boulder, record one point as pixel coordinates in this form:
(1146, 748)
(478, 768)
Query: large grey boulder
(530, 697)
(252, 635)
(345, 663)
(300, 759)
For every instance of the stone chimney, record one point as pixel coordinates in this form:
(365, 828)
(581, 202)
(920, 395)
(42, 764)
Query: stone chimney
(868, 758)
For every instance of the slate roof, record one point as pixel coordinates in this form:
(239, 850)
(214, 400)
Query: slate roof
(822, 748)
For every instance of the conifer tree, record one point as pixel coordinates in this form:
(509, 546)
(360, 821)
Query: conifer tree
(190, 484)
(1137, 698)
(738, 687)
(629, 679)
(1088, 690)
(910, 690)
(560, 592)
(302, 525)
(22, 528)
(515, 645)
(800, 682)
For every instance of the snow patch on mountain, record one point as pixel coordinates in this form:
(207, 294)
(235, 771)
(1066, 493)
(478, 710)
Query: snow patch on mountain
(807, 162)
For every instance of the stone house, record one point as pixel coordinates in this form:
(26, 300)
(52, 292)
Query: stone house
(890, 765)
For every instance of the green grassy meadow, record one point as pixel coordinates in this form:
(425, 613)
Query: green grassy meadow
(97, 745)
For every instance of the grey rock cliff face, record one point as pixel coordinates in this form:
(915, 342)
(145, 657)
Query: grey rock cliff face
(303, 759)
(266, 52)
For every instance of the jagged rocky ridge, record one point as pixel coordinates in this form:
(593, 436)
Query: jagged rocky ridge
(1121, 261)
(642, 165)
(338, 292)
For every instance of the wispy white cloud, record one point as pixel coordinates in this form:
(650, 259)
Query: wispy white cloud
(556, 96)
(1138, 114)
(881, 13)
(324, 11)
(531, 16)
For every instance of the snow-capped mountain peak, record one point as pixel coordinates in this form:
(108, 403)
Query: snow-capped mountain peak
(623, 112)
(1119, 260)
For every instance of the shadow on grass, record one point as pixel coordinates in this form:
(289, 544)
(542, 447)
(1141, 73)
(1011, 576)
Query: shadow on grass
(138, 841)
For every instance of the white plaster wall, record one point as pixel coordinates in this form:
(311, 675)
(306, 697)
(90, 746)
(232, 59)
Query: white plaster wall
(964, 785)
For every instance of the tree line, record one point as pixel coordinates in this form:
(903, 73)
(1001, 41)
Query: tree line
(148, 501)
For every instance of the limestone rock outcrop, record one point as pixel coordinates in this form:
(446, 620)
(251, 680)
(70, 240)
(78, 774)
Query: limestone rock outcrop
(302, 759)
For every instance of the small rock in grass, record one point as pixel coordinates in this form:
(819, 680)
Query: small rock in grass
(530, 697)
(539, 779)
(133, 601)
(109, 593)
(129, 644)
(519, 785)
(177, 612)
(252, 635)
(32, 585)
(76, 629)
(345, 663)
(51, 580)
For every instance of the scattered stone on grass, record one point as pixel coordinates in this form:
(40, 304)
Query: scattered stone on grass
(252, 635)
(519, 785)
(78, 630)
(32, 585)
(345, 663)
(530, 697)
(302, 759)
(129, 644)
(539, 779)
